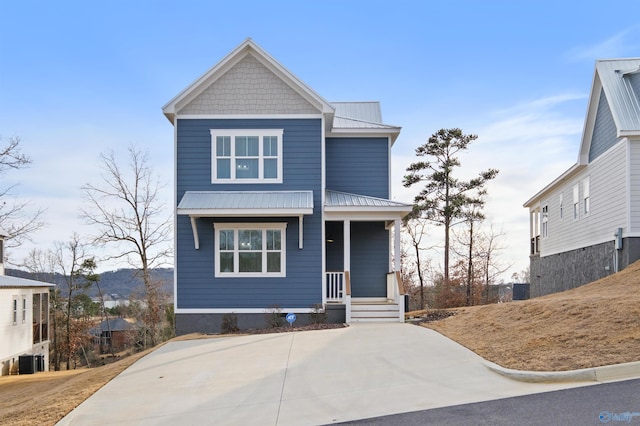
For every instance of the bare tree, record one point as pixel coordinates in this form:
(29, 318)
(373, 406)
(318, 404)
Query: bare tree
(415, 229)
(490, 251)
(127, 212)
(13, 217)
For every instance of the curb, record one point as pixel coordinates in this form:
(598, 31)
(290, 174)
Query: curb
(628, 370)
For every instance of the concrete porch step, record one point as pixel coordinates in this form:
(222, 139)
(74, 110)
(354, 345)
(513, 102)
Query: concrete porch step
(375, 312)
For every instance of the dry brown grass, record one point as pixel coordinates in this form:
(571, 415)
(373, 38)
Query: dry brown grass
(593, 325)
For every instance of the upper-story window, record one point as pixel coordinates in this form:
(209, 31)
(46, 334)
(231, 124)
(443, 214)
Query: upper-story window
(545, 221)
(15, 310)
(561, 206)
(576, 201)
(246, 156)
(586, 190)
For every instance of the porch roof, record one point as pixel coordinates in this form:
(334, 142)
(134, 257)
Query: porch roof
(246, 203)
(198, 204)
(343, 202)
(7, 281)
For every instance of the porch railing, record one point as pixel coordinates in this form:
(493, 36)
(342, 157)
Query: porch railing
(336, 286)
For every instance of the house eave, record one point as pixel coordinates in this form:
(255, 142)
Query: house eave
(560, 179)
(243, 212)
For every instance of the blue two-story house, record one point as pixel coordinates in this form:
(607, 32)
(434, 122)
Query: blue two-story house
(282, 200)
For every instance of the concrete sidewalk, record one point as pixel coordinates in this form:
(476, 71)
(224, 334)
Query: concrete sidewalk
(311, 377)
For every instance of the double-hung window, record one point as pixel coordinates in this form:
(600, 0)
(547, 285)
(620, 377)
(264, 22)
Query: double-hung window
(24, 309)
(545, 221)
(586, 190)
(561, 206)
(250, 249)
(576, 201)
(15, 310)
(246, 156)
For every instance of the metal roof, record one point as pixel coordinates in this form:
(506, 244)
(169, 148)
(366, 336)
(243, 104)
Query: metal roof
(359, 115)
(364, 111)
(246, 203)
(15, 282)
(344, 199)
(616, 76)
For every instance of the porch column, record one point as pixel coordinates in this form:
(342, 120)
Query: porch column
(347, 245)
(396, 243)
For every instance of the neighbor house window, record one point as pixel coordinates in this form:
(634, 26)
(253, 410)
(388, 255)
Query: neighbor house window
(15, 310)
(586, 184)
(576, 201)
(250, 249)
(246, 156)
(24, 309)
(561, 206)
(545, 221)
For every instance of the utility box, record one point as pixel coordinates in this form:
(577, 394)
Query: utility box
(520, 291)
(27, 364)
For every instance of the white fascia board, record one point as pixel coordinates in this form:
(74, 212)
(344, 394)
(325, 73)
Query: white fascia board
(241, 310)
(590, 118)
(628, 133)
(392, 133)
(560, 179)
(244, 212)
(370, 215)
(245, 116)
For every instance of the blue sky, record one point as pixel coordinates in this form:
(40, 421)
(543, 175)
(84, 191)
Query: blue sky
(80, 78)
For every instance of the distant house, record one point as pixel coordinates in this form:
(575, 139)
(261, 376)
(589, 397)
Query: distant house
(24, 319)
(117, 331)
(282, 200)
(585, 224)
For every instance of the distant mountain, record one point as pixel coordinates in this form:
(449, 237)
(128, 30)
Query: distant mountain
(123, 282)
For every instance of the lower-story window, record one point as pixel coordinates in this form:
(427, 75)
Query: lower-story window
(250, 249)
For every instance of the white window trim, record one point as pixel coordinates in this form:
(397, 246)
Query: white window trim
(561, 206)
(232, 133)
(14, 309)
(282, 227)
(586, 195)
(24, 309)
(576, 202)
(544, 220)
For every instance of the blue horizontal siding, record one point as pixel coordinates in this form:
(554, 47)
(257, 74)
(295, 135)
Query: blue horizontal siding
(197, 287)
(358, 166)
(369, 259)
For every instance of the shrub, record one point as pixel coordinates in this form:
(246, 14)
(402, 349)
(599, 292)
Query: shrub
(318, 315)
(273, 317)
(229, 323)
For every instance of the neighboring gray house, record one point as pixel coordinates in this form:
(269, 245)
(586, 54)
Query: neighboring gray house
(586, 223)
(282, 199)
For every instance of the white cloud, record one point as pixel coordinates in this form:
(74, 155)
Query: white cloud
(531, 144)
(618, 45)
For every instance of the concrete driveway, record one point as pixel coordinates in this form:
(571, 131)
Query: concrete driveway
(311, 377)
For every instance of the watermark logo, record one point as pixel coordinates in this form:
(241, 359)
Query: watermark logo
(626, 417)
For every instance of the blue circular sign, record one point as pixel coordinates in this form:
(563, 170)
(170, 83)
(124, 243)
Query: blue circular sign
(291, 317)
